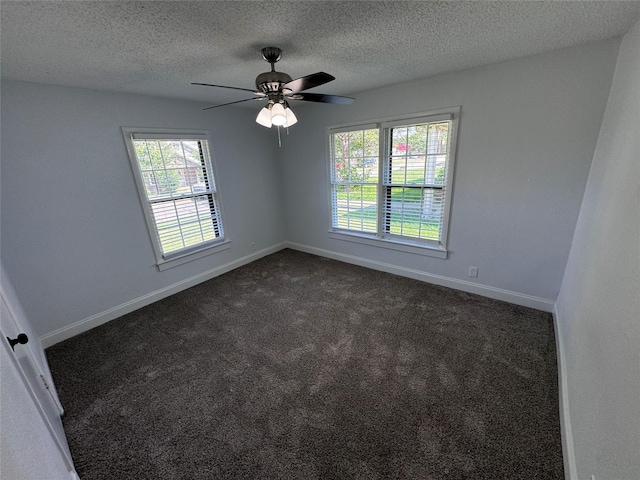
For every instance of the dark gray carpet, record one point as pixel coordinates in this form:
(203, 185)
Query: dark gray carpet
(300, 367)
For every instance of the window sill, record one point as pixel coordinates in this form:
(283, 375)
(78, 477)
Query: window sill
(426, 250)
(193, 255)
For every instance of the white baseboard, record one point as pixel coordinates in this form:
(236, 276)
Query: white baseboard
(76, 328)
(470, 287)
(570, 470)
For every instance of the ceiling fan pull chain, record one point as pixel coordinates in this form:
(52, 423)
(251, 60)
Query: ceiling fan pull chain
(279, 140)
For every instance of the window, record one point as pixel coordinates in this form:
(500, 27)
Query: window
(391, 181)
(175, 179)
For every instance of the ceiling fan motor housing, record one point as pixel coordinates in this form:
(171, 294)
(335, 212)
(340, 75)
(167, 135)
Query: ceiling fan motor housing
(269, 82)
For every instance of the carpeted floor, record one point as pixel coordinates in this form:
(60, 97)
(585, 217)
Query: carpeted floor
(301, 367)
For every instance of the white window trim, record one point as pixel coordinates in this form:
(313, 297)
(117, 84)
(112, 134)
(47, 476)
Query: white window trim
(179, 257)
(388, 243)
(380, 239)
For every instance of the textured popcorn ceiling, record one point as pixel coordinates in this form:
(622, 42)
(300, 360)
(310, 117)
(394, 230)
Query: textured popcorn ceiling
(158, 48)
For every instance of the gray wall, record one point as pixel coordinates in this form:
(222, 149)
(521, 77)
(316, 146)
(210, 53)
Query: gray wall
(528, 129)
(598, 309)
(74, 240)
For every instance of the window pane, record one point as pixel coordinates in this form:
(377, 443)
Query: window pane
(166, 183)
(371, 166)
(184, 223)
(399, 141)
(355, 156)
(356, 170)
(340, 146)
(414, 212)
(398, 170)
(371, 147)
(148, 155)
(171, 155)
(436, 169)
(438, 137)
(341, 170)
(409, 163)
(356, 146)
(354, 207)
(417, 139)
(171, 168)
(191, 151)
(415, 172)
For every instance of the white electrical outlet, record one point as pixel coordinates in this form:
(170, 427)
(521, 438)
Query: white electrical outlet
(473, 272)
(253, 246)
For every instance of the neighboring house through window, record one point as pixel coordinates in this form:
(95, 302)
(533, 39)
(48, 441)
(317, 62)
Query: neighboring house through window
(391, 181)
(174, 172)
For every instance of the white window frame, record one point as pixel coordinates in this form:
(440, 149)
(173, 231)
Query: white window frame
(177, 257)
(436, 249)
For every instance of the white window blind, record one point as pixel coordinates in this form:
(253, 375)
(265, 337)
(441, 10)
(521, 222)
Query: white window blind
(176, 183)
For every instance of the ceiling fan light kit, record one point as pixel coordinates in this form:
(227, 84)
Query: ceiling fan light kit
(278, 87)
(276, 114)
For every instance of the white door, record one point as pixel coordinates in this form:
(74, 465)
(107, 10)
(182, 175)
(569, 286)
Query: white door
(28, 449)
(27, 387)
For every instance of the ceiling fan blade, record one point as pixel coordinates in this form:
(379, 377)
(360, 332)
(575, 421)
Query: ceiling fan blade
(260, 94)
(231, 103)
(322, 98)
(307, 82)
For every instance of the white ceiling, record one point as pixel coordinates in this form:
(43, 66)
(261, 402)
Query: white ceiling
(159, 47)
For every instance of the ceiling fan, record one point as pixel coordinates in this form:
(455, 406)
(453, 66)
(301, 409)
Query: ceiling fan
(278, 88)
